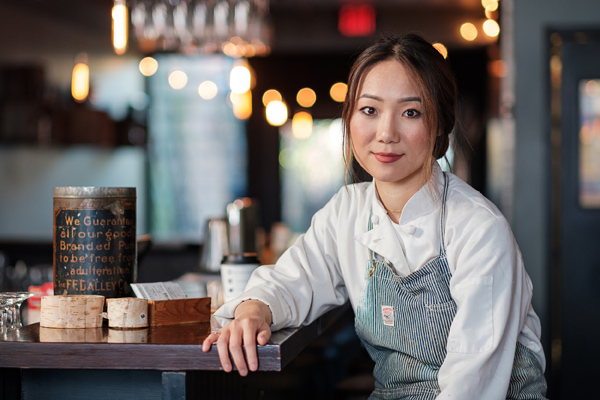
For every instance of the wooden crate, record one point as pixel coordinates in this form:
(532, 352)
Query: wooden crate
(179, 311)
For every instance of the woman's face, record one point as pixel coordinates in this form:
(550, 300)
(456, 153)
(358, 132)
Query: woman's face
(389, 135)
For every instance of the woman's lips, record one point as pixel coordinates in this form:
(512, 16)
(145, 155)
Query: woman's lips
(387, 157)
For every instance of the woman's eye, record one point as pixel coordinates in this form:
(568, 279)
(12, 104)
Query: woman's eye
(368, 110)
(411, 113)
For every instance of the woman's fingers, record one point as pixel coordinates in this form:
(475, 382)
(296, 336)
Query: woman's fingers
(210, 339)
(237, 341)
(250, 347)
(263, 336)
(234, 344)
(223, 350)
(237, 352)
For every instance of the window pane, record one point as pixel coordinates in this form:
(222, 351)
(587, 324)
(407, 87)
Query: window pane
(197, 148)
(589, 143)
(312, 170)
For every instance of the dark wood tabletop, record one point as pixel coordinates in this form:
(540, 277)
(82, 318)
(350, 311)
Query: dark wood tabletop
(165, 348)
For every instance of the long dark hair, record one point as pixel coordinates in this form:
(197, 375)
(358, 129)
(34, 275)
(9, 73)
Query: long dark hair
(435, 78)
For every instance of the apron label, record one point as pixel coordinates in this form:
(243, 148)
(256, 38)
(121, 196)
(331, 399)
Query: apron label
(387, 314)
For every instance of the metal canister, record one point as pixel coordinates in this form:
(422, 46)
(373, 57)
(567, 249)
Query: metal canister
(215, 245)
(243, 217)
(95, 249)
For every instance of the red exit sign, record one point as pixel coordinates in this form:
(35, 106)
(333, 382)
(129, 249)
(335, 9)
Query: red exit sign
(356, 20)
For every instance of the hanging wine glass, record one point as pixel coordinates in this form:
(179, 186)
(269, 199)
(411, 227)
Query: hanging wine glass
(241, 28)
(221, 25)
(182, 25)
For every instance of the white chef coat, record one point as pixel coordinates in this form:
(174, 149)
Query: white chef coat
(325, 267)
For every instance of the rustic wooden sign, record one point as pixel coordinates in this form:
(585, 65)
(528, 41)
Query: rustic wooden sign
(94, 240)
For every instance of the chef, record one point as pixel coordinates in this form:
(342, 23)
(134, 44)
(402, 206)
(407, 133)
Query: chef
(441, 298)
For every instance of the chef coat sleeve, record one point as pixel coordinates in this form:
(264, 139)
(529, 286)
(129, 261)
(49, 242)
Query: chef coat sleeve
(305, 282)
(493, 293)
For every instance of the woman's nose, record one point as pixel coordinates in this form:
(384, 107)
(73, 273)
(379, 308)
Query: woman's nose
(388, 129)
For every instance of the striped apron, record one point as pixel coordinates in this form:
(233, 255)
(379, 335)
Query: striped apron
(404, 323)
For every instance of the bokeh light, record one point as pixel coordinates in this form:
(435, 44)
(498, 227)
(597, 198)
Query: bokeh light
(240, 79)
(302, 125)
(271, 95)
(80, 82)
(277, 113)
(306, 97)
(468, 31)
(497, 68)
(120, 19)
(208, 90)
(491, 28)
(441, 48)
(148, 66)
(491, 5)
(338, 91)
(242, 104)
(178, 79)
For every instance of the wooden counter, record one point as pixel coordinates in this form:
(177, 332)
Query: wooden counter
(166, 353)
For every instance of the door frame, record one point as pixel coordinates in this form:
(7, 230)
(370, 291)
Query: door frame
(562, 184)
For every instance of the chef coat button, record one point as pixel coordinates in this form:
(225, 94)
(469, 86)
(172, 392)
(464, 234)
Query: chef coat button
(453, 345)
(533, 346)
(375, 219)
(410, 229)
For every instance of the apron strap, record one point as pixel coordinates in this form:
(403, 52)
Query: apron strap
(443, 216)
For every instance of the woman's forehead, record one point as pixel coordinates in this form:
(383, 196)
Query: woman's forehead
(389, 75)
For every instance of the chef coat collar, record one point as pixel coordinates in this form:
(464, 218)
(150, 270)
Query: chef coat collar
(421, 203)
(426, 199)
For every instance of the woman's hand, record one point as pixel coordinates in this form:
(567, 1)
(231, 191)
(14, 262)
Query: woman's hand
(250, 326)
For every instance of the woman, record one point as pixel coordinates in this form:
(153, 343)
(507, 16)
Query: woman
(435, 278)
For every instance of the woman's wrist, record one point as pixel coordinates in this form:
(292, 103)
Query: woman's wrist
(254, 307)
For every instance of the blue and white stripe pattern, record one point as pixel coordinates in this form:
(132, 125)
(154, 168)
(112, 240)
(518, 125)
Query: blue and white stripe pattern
(408, 354)
(409, 345)
(527, 379)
